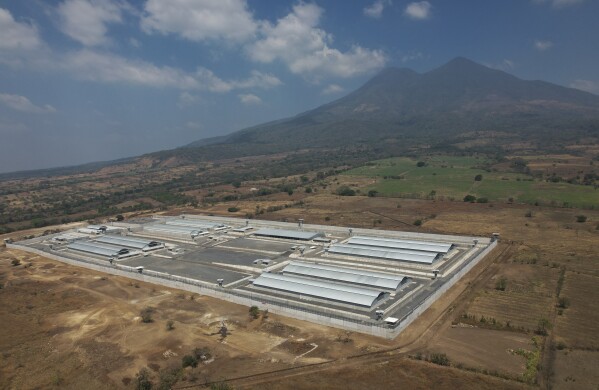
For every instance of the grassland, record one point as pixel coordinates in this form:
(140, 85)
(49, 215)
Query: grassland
(453, 177)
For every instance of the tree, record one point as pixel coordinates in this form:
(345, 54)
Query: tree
(563, 302)
(372, 193)
(543, 326)
(143, 379)
(254, 312)
(345, 191)
(189, 361)
(469, 198)
(233, 209)
(120, 217)
(581, 218)
(478, 177)
(418, 222)
(170, 325)
(420, 164)
(308, 190)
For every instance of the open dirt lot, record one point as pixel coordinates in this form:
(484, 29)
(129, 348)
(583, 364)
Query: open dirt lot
(69, 327)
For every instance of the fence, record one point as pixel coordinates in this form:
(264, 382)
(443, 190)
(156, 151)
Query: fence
(325, 316)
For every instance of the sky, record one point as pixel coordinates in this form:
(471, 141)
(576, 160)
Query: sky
(96, 80)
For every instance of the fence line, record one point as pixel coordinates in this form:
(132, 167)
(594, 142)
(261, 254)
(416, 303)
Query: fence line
(329, 317)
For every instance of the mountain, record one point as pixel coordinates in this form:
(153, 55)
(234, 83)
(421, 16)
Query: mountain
(458, 97)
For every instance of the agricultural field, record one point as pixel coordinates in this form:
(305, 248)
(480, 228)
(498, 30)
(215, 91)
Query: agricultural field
(451, 177)
(576, 327)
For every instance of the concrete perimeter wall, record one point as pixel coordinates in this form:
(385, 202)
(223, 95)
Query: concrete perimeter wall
(347, 321)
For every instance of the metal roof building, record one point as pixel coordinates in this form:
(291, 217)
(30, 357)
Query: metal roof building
(174, 230)
(384, 253)
(137, 243)
(102, 250)
(326, 290)
(288, 234)
(344, 274)
(200, 225)
(401, 244)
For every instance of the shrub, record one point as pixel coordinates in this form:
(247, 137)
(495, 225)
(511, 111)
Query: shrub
(501, 284)
(345, 191)
(120, 218)
(189, 361)
(440, 359)
(233, 209)
(254, 312)
(308, 190)
(143, 379)
(372, 193)
(543, 326)
(563, 303)
(170, 325)
(420, 164)
(469, 198)
(146, 315)
(418, 222)
(478, 178)
(482, 200)
(581, 218)
(15, 262)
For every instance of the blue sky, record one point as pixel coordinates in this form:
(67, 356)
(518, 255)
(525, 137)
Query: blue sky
(94, 80)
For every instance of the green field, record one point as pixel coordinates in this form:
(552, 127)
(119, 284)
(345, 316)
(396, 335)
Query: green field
(453, 178)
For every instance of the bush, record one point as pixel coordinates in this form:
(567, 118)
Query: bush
(170, 325)
(254, 312)
(372, 193)
(233, 209)
(420, 164)
(345, 191)
(146, 315)
(469, 198)
(482, 200)
(189, 361)
(543, 326)
(308, 190)
(581, 218)
(418, 222)
(501, 284)
(15, 262)
(143, 379)
(478, 178)
(563, 303)
(440, 359)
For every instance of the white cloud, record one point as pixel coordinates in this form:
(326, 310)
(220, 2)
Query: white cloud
(21, 103)
(543, 45)
(297, 41)
(15, 35)
(375, 10)
(134, 42)
(193, 125)
(85, 20)
(559, 3)
(199, 20)
(586, 85)
(249, 99)
(186, 99)
(412, 56)
(504, 65)
(419, 10)
(102, 67)
(332, 89)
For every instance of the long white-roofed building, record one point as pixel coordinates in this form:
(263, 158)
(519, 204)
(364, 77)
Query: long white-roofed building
(358, 296)
(347, 275)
